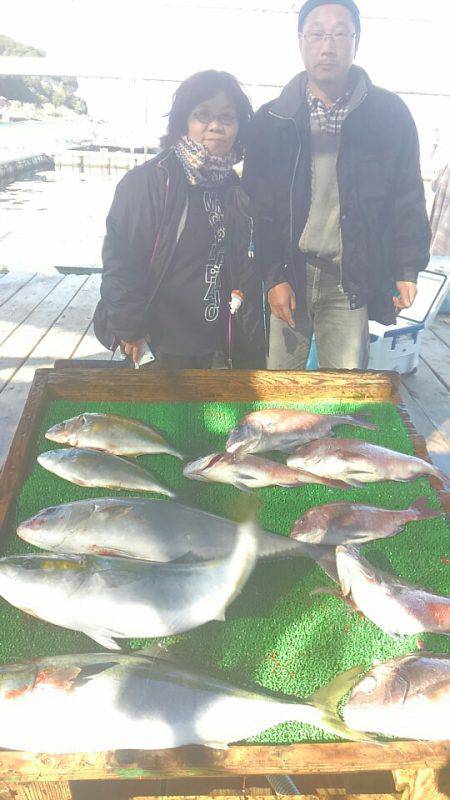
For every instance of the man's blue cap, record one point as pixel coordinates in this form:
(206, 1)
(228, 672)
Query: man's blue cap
(310, 4)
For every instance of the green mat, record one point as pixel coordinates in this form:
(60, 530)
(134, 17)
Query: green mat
(277, 634)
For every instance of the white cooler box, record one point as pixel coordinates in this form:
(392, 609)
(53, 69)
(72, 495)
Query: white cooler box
(397, 347)
(442, 264)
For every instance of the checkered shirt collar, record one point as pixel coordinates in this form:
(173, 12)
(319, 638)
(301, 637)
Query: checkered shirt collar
(329, 119)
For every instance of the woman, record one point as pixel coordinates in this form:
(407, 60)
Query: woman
(180, 239)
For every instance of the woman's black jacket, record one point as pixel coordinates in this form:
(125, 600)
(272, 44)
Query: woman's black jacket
(143, 227)
(384, 225)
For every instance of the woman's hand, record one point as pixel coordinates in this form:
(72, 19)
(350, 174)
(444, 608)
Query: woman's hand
(133, 349)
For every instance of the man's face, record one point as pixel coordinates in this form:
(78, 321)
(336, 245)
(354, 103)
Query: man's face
(328, 59)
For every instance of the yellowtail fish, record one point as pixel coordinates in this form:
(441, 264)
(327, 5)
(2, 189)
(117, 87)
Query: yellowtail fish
(111, 432)
(96, 702)
(87, 467)
(119, 598)
(135, 527)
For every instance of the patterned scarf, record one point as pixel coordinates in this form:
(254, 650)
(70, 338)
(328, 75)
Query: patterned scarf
(200, 167)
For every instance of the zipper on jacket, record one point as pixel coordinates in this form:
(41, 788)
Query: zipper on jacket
(291, 191)
(251, 244)
(343, 217)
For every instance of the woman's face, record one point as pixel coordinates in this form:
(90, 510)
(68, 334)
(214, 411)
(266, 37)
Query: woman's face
(214, 124)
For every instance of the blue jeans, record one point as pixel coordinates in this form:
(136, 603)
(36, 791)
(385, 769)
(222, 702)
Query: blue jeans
(342, 333)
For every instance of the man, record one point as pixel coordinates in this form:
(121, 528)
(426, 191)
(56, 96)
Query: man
(333, 170)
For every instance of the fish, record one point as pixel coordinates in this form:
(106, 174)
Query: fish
(284, 429)
(87, 467)
(397, 607)
(120, 598)
(134, 527)
(112, 433)
(357, 462)
(408, 697)
(354, 523)
(97, 702)
(251, 472)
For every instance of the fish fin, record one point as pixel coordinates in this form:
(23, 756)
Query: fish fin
(166, 492)
(326, 700)
(335, 483)
(423, 509)
(327, 590)
(115, 577)
(220, 616)
(361, 420)
(104, 638)
(112, 512)
(440, 475)
(186, 558)
(329, 696)
(335, 593)
(242, 487)
(324, 556)
(157, 650)
(179, 455)
(88, 673)
(333, 723)
(216, 745)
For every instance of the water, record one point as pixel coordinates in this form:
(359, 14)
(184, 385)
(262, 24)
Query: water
(55, 219)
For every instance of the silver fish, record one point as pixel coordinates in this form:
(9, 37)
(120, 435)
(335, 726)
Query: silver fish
(397, 607)
(285, 429)
(251, 472)
(108, 598)
(87, 467)
(135, 527)
(354, 523)
(407, 697)
(357, 462)
(111, 432)
(103, 701)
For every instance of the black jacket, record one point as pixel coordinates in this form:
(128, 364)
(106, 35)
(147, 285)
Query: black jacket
(384, 225)
(143, 227)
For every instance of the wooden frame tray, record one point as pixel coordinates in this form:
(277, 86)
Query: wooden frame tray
(198, 385)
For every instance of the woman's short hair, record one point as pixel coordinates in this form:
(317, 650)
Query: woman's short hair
(195, 90)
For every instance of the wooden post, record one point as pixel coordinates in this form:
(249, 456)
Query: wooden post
(421, 784)
(58, 790)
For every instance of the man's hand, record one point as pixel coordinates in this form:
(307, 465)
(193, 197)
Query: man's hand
(282, 302)
(133, 349)
(407, 292)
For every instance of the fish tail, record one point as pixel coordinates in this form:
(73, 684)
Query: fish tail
(326, 701)
(245, 553)
(333, 483)
(179, 455)
(441, 476)
(167, 492)
(422, 509)
(361, 420)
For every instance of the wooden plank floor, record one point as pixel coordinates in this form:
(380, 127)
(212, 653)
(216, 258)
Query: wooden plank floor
(48, 317)
(42, 318)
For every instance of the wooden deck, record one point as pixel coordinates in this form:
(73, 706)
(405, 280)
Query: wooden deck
(48, 317)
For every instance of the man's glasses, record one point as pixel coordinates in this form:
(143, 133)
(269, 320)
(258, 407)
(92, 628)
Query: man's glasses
(337, 38)
(223, 119)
